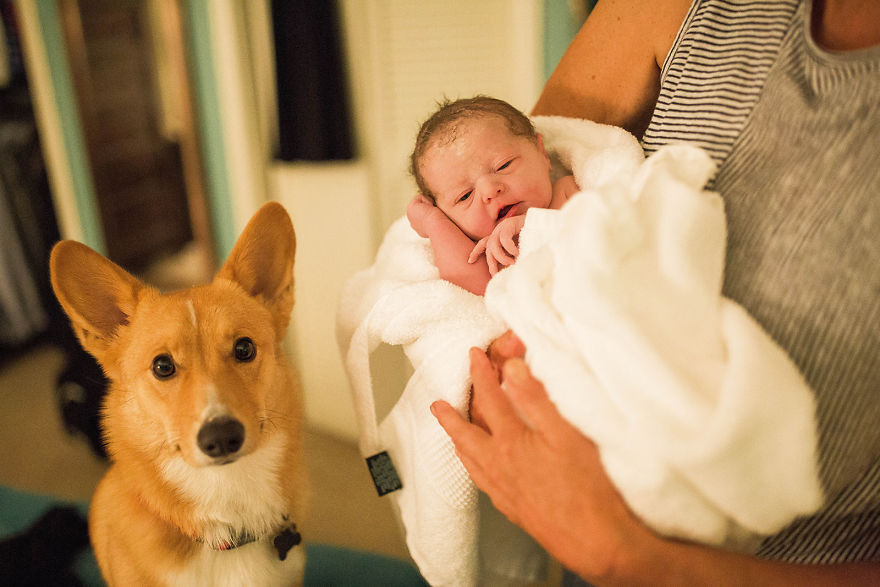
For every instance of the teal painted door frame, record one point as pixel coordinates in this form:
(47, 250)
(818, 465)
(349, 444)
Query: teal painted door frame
(207, 109)
(71, 126)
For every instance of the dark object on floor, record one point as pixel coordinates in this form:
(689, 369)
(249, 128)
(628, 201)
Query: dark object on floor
(81, 388)
(45, 552)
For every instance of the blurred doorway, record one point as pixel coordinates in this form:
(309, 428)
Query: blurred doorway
(128, 62)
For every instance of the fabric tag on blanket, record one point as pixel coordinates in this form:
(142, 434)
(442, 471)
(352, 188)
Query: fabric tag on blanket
(385, 476)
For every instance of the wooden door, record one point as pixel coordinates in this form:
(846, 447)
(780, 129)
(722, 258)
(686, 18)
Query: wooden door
(144, 196)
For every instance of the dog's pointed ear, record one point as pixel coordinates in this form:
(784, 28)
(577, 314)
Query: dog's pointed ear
(97, 295)
(261, 261)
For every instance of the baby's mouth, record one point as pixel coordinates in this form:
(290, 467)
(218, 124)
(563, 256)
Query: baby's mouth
(504, 212)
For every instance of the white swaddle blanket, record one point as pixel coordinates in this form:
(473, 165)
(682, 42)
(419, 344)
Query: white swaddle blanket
(703, 423)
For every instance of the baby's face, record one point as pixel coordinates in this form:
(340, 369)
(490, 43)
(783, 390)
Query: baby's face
(486, 174)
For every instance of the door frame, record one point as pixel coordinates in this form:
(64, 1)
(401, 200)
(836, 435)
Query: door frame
(63, 140)
(61, 134)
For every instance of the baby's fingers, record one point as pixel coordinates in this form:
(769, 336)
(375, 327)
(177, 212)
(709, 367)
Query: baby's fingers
(509, 234)
(478, 249)
(510, 246)
(498, 256)
(492, 263)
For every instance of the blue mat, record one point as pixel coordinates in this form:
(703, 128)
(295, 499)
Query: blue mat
(326, 566)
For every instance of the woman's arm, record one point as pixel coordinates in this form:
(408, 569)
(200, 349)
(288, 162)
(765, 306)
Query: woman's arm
(611, 71)
(547, 477)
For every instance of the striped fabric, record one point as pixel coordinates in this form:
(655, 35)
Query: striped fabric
(796, 133)
(714, 73)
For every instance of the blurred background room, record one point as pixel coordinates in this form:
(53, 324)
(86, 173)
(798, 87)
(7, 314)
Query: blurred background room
(151, 130)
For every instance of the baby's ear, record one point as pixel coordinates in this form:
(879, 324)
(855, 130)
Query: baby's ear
(261, 261)
(97, 295)
(541, 148)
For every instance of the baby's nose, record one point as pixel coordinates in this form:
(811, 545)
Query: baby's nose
(491, 189)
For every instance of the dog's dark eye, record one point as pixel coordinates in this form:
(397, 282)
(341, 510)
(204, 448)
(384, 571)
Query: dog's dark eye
(244, 350)
(163, 367)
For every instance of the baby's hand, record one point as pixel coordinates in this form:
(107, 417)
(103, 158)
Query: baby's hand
(418, 211)
(501, 247)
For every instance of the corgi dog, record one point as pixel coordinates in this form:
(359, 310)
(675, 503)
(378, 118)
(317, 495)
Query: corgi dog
(203, 419)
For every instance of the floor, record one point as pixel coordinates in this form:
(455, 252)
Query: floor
(39, 456)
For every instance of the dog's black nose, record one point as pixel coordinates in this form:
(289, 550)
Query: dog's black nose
(221, 437)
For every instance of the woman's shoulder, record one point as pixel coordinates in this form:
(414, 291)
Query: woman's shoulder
(610, 71)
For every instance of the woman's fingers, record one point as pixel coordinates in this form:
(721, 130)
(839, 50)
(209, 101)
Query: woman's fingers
(494, 407)
(473, 445)
(502, 348)
(522, 398)
(468, 438)
(529, 397)
(478, 454)
(506, 346)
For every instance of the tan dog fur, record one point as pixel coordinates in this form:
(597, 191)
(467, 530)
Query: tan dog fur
(164, 505)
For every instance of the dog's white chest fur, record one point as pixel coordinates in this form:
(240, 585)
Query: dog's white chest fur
(243, 497)
(255, 564)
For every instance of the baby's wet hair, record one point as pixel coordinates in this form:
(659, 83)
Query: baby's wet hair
(442, 128)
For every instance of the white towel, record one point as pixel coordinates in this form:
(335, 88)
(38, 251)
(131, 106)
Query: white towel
(703, 423)
(401, 300)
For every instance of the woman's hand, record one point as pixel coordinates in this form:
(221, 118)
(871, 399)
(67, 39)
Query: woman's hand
(539, 470)
(506, 346)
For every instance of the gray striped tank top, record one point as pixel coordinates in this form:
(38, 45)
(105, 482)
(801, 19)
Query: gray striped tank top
(795, 131)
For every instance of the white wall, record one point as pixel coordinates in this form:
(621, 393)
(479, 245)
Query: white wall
(405, 56)
(328, 205)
